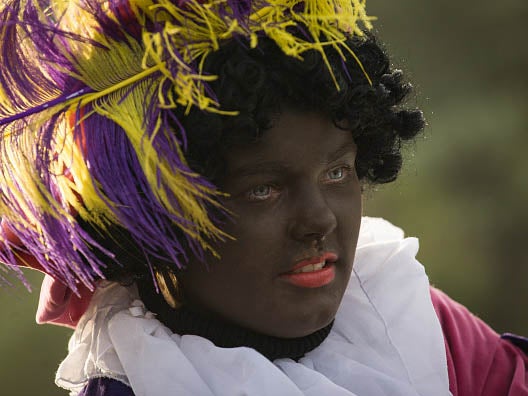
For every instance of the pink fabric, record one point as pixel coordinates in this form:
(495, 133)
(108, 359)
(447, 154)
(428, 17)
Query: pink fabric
(479, 362)
(57, 303)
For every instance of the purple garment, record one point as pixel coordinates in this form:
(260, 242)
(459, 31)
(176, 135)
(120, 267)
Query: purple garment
(106, 387)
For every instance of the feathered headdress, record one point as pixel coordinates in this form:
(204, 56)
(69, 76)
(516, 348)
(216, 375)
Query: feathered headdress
(87, 92)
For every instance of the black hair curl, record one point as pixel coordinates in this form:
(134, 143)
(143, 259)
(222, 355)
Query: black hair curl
(261, 83)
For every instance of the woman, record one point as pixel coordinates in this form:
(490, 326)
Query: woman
(208, 159)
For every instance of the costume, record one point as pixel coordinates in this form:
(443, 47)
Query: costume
(86, 105)
(386, 339)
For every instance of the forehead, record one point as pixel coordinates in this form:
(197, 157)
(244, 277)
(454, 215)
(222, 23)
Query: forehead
(295, 139)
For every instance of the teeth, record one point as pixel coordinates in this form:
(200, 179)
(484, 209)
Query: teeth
(310, 268)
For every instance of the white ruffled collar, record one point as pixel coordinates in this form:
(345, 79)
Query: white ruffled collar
(386, 340)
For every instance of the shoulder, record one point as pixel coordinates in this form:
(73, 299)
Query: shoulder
(480, 361)
(106, 387)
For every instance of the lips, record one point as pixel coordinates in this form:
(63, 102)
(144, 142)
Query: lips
(312, 272)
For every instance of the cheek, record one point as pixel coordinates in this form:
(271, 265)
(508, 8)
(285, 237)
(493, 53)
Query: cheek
(253, 228)
(348, 212)
(347, 204)
(255, 231)
(257, 245)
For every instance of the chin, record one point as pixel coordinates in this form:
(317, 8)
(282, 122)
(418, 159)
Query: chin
(305, 313)
(304, 330)
(305, 324)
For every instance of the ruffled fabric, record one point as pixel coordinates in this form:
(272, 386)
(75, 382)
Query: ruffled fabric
(386, 340)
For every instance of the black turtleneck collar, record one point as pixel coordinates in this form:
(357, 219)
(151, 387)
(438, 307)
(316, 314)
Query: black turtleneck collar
(222, 334)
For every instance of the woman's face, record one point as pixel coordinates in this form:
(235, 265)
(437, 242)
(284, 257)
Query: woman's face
(296, 204)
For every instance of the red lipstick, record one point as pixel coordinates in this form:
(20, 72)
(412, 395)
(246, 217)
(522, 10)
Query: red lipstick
(313, 272)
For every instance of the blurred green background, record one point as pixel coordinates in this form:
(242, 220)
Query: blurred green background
(463, 192)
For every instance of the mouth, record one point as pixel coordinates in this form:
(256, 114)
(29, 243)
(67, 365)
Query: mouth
(312, 272)
(314, 263)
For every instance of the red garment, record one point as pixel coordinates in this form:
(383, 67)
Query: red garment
(479, 362)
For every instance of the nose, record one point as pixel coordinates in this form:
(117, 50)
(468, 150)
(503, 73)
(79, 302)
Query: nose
(312, 216)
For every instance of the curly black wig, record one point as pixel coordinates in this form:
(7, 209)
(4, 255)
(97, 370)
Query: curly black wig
(263, 82)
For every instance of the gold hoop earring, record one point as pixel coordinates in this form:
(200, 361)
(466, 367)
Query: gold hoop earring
(168, 286)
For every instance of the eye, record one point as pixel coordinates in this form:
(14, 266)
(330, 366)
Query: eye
(260, 193)
(337, 174)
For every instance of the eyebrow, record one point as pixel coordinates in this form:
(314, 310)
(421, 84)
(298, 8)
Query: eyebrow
(265, 167)
(348, 147)
(274, 167)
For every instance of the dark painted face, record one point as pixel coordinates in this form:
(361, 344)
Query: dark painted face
(296, 202)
